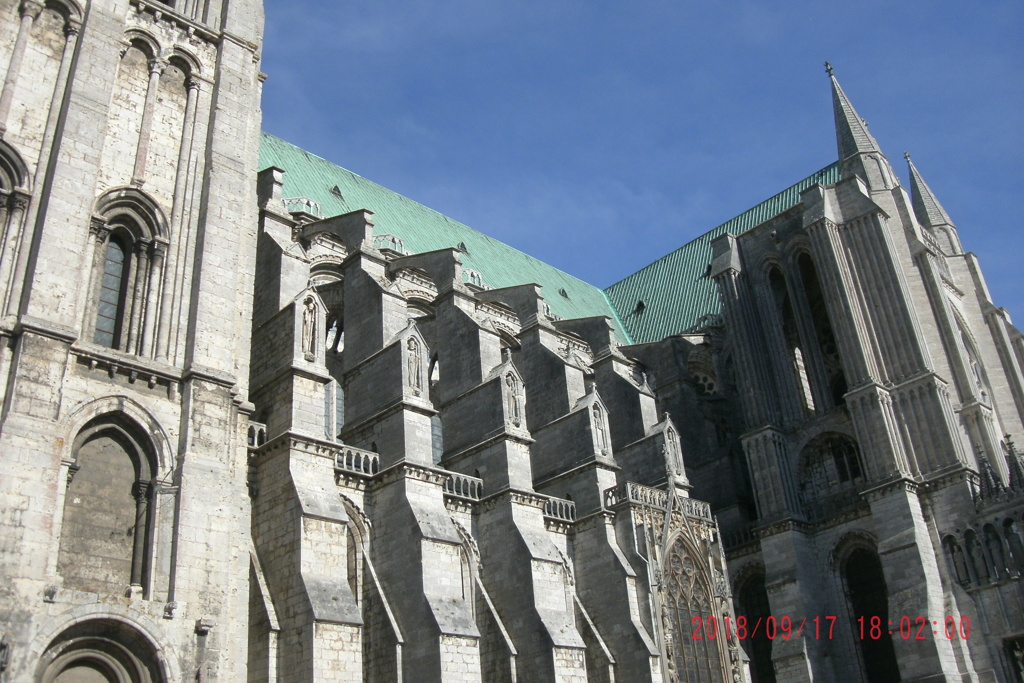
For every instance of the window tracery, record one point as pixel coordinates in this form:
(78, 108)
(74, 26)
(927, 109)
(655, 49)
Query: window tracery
(701, 366)
(688, 596)
(830, 465)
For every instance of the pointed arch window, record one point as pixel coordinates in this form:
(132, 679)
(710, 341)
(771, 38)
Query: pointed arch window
(791, 336)
(823, 334)
(687, 597)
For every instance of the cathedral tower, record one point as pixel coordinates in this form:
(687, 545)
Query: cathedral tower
(873, 373)
(125, 287)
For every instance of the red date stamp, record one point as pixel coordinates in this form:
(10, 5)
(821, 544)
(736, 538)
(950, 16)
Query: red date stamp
(823, 628)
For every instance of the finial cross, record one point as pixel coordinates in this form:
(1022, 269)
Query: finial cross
(828, 68)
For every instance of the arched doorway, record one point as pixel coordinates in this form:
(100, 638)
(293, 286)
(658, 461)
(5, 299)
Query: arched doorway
(100, 651)
(868, 599)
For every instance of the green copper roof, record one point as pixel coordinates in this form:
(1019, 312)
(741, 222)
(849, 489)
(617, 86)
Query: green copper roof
(675, 289)
(339, 191)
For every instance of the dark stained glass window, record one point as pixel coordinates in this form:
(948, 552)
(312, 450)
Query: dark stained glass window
(111, 303)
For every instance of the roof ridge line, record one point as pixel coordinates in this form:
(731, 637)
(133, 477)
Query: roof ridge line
(722, 225)
(446, 217)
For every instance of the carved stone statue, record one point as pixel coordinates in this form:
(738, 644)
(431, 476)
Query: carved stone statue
(515, 409)
(599, 430)
(309, 328)
(415, 383)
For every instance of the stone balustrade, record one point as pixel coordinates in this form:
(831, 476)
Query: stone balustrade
(356, 461)
(463, 486)
(559, 509)
(638, 494)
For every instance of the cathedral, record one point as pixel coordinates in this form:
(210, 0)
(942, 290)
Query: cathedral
(264, 420)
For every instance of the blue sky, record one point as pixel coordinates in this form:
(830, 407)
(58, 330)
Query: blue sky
(598, 136)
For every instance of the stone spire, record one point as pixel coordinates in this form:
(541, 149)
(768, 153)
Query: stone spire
(926, 206)
(852, 135)
(929, 211)
(856, 144)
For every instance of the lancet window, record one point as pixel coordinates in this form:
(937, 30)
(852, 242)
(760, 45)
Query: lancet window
(791, 336)
(824, 336)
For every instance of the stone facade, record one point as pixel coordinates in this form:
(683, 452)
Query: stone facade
(127, 297)
(243, 441)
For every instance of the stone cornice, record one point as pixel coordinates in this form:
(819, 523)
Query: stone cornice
(406, 470)
(496, 436)
(781, 525)
(160, 10)
(516, 496)
(207, 374)
(946, 477)
(404, 403)
(135, 367)
(582, 467)
(45, 328)
(894, 484)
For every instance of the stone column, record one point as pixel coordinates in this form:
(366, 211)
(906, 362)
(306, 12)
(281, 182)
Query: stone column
(752, 376)
(833, 274)
(781, 360)
(141, 493)
(99, 231)
(794, 590)
(156, 260)
(30, 9)
(169, 288)
(813, 353)
(71, 30)
(4, 234)
(20, 246)
(140, 275)
(156, 68)
(1000, 326)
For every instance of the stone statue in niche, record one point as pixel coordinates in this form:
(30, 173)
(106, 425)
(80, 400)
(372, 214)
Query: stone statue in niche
(672, 451)
(309, 329)
(515, 409)
(599, 430)
(415, 383)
